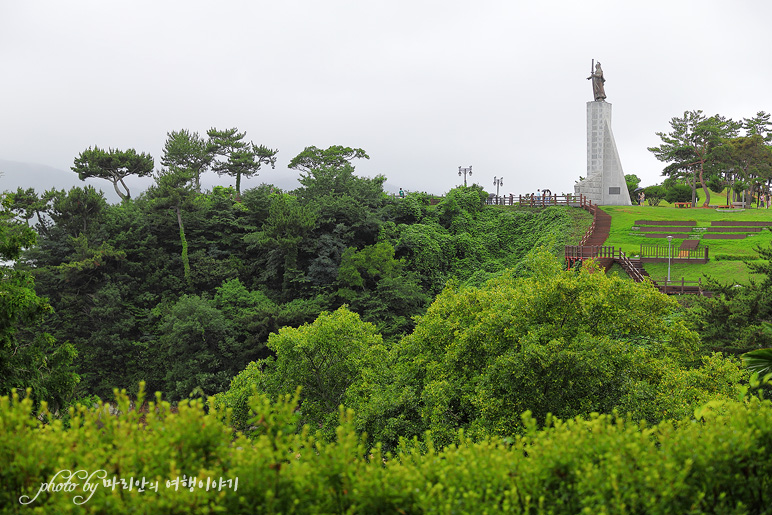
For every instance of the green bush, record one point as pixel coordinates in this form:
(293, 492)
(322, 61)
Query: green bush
(718, 463)
(654, 194)
(679, 193)
(730, 257)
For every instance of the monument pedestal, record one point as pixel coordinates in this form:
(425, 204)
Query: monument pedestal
(605, 181)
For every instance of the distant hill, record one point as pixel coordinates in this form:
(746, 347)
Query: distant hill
(14, 174)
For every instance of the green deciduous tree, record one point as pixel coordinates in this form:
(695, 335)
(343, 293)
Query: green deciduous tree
(362, 269)
(559, 342)
(113, 165)
(679, 193)
(460, 205)
(747, 159)
(253, 315)
(323, 358)
(29, 357)
(654, 194)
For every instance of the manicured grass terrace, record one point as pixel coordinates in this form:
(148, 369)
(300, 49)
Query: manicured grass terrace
(726, 255)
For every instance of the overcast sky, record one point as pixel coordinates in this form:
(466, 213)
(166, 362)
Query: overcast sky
(423, 86)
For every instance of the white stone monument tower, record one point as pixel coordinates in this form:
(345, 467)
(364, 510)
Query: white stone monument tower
(605, 181)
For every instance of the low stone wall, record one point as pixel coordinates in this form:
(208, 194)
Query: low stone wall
(724, 236)
(739, 224)
(677, 223)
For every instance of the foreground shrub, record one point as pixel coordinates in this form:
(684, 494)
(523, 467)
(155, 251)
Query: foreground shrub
(599, 464)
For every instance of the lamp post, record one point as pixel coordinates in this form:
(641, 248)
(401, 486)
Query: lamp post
(669, 241)
(497, 182)
(465, 171)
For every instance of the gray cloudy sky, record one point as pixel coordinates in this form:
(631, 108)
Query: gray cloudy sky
(423, 86)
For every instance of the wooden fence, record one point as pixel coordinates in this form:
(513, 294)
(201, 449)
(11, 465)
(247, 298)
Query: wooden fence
(581, 252)
(535, 200)
(575, 253)
(659, 254)
(681, 287)
(593, 210)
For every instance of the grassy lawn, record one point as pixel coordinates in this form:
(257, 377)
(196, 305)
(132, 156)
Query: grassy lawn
(725, 255)
(582, 222)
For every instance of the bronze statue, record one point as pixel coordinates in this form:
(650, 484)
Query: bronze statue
(597, 83)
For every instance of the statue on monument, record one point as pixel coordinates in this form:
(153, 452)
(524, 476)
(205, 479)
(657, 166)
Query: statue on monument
(597, 83)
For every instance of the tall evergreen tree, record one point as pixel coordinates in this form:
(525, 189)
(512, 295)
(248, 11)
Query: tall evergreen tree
(688, 145)
(238, 157)
(113, 165)
(186, 151)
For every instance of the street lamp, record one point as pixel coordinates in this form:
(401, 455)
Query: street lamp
(498, 182)
(669, 241)
(465, 171)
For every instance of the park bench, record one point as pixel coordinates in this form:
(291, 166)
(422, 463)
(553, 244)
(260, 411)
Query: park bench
(682, 204)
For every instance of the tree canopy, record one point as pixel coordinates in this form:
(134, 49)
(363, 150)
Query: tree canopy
(113, 165)
(688, 146)
(236, 156)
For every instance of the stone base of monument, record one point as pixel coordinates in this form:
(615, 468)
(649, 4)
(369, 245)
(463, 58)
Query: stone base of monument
(605, 182)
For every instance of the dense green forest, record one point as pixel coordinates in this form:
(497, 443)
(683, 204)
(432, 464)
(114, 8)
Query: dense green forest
(181, 289)
(341, 350)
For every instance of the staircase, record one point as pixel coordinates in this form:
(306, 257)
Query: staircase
(601, 229)
(598, 233)
(634, 268)
(592, 247)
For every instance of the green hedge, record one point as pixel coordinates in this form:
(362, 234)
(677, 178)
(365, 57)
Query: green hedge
(719, 464)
